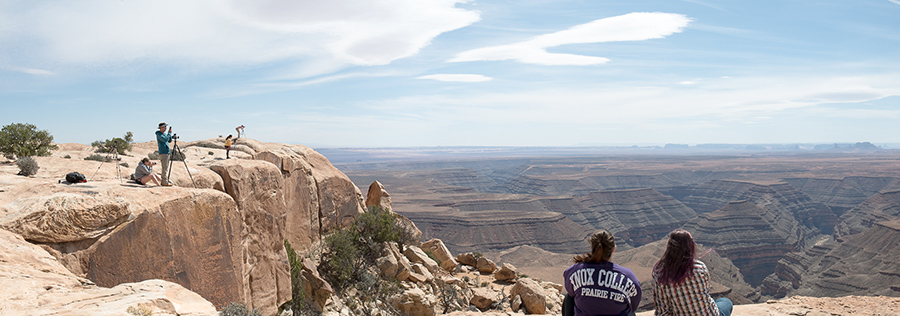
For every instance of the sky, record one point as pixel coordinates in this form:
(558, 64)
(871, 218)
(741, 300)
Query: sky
(398, 73)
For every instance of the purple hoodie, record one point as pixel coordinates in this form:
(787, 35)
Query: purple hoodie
(603, 288)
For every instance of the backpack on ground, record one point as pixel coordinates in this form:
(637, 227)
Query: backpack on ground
(75, 177)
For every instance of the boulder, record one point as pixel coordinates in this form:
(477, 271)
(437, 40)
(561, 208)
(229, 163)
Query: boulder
(393, 264)
(532, 295)
(467, 258)
(415, 302)
(378, 196)
(314, 286)
(418, 268)
(485, 265)
(416, 254)
(64, 217)
(436, 246)
(507, 272)
(484, 297)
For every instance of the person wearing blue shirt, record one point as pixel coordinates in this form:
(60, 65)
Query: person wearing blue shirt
(163, 139)
(597, 287)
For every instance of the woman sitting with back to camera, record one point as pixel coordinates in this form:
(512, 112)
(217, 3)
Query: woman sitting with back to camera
(682, 282)
(596, 286)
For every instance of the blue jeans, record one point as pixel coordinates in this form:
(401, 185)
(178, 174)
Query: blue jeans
(724, 305)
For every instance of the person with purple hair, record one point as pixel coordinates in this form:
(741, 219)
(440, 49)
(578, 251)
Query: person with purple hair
(597, 287)
(682, 282)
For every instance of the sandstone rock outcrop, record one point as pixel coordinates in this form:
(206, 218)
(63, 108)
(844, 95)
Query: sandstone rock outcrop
(228, 247)
(64, 217)
(33, 283)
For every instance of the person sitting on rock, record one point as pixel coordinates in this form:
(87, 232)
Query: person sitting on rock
(681, 282)
(144, 172)
(596, 286)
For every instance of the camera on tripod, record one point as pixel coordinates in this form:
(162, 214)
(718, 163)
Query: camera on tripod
(175, 136)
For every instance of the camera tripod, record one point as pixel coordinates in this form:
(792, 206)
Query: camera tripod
(115, 152)
(176, 151)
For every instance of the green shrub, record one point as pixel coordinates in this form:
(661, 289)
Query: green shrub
(27, 166)
(119, 144)
(341, 261)
(298, 295)
(124, 164)
(238, 309)
(98, 157)
(19, 140)
(68, 157)
(154, 155)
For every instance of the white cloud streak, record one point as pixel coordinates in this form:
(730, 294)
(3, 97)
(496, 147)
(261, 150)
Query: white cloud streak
(103, 35)
(457, 77)
(629, 27)
(895, 1)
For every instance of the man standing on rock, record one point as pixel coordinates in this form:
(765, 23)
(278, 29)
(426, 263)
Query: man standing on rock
(162, 141)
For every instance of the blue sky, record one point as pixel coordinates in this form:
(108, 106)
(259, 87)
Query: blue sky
(456, 73)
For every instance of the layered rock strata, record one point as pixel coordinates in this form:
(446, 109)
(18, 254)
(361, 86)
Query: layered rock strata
(635, 217)
(781, 197)
(750, 236)
(843, 194)
(501, 229)
(862, 264)
(884, 206)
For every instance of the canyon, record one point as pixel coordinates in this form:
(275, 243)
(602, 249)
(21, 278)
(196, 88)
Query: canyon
(769, 226)
(789, 223)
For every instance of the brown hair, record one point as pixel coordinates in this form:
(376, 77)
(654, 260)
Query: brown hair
(602, 245)
(145, 160)
(677, 263)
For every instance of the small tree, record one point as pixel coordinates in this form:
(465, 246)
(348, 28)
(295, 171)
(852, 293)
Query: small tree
(120, 144)
(25, 140)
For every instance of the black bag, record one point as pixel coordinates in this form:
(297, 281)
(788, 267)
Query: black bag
(75, 177)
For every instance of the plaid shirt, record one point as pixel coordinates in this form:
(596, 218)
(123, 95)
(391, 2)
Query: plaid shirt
(690, 298)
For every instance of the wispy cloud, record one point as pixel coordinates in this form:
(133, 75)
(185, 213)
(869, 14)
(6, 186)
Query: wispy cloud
(629, 27)
(32, 71)
(457, 77)
(895, 1)
(203, 34)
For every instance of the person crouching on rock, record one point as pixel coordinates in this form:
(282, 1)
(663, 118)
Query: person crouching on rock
(681, 282)
(596, 286)
(144, 172)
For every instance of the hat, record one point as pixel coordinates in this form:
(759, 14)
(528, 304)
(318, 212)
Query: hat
(163, 124)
